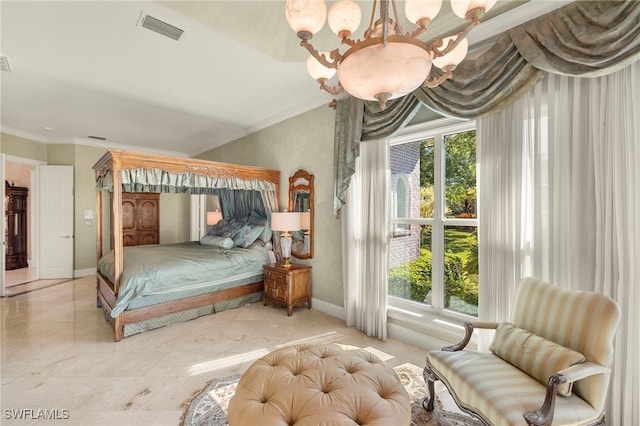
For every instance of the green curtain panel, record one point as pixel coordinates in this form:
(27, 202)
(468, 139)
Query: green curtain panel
(583, 38)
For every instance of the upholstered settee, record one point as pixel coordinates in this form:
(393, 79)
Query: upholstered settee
(550, 364)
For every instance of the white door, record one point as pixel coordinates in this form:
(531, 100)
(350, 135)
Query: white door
(2, 227)
(55, 212)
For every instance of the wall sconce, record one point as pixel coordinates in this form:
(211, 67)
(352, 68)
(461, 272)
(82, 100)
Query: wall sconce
(286, 222)
(214, 217)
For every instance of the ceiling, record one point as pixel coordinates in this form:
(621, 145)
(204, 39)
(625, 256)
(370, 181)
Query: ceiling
(85, 69)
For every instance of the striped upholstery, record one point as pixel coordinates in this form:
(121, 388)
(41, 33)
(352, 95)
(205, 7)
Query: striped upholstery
(583, 321)
(485, 384)
(500, 393)
(535, 355)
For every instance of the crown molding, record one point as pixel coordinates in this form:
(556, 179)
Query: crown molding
(275, 119)
(86, 142)
(23, 134)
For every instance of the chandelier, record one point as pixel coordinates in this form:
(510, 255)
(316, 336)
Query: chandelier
(387, 63)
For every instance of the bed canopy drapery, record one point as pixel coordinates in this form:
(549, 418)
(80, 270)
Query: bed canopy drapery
(239, 196)
(124, 171)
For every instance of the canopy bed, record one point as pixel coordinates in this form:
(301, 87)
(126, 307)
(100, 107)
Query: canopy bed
(145, 287)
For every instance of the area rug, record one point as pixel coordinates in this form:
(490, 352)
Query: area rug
(208, 407)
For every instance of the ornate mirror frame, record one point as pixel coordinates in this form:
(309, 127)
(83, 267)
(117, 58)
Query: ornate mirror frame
(301, 197)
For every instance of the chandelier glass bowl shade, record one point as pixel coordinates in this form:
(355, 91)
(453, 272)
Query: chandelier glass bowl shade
(386, 63)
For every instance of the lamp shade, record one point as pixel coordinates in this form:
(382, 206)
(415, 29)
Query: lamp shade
(344, 15)
(305, 220)
(214, 217)
(422, 9)
(461, 7)
(285, 221)
(398, 68)
(306, 15)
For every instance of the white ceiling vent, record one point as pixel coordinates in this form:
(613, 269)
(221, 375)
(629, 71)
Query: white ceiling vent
(4, 64)
(158, 26)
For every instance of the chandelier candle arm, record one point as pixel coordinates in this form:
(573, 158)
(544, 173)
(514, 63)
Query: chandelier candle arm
(335, 91)
(448, 72)
(321, 57)
(452, 44)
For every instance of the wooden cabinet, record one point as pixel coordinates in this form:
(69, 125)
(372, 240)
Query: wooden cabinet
(290, 286)
(16, 226)
(140, 218)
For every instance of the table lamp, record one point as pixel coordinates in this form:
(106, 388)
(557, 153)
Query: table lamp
(285, 222)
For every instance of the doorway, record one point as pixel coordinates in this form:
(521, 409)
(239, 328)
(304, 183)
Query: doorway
(19, 221)
(21, 277)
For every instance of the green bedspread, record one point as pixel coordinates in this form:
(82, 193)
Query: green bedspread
(166, 268)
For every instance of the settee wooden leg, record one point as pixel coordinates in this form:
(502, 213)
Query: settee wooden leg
(430, 378)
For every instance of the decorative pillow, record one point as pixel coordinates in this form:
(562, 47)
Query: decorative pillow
(220, 228)
(213, 240)
(256, 219)
(250, 234)
(536, 356)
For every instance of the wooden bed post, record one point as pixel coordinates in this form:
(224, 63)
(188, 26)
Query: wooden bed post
(118, 250)
(116, 225)
(99, 247)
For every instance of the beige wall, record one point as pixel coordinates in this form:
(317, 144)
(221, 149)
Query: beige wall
(174, 218)
(21, 147)
(302, 142)
(174, 209)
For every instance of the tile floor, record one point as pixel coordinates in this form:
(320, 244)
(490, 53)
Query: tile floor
(58, 353)
(19, 281)
(19, 276)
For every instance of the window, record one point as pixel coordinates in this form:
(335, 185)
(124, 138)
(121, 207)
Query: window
(401, 204)
(435, 265)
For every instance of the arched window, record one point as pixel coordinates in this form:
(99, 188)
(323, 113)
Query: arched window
(402, 205)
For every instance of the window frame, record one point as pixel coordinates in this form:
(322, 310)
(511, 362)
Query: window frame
(442, 321)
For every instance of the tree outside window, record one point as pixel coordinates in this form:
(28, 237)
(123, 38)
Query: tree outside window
(438, 265)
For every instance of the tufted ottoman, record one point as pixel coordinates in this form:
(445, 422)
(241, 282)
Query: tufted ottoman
(319, 385)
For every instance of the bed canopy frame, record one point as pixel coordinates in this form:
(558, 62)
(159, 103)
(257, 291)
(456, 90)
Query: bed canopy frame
(120, 171)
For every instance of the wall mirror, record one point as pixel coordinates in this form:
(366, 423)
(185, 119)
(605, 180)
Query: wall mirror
(301, 200)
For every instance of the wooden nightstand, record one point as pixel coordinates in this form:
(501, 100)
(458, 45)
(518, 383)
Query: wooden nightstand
(290, 286)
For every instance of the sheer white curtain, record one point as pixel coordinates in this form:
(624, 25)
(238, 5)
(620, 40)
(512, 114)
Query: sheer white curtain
(560, 200)
(365, 237)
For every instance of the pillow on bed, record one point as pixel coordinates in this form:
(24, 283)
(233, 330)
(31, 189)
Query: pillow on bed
(250, 233)
(217, 241)
(256, 219)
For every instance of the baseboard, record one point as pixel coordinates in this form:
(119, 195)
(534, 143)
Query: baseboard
(394, 331)
(79, 273)
(415, 338)
(328, 308)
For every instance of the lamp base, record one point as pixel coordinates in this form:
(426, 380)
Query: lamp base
(285, 249)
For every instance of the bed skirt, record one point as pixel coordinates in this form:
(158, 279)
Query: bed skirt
(189, 314)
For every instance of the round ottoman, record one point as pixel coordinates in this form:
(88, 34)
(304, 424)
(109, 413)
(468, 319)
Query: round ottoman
(319, 385)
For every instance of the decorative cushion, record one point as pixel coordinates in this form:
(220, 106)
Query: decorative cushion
(250, 234)
(256, 219)
(213, 240)
(536, 356)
